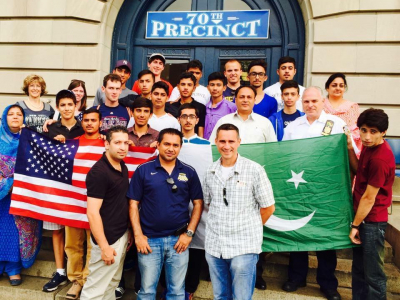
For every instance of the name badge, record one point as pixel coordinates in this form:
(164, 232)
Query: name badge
(328, 127)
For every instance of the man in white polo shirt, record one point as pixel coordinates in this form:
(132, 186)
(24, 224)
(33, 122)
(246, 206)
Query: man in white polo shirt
(286, 71)
(314, 123)
(253, 127)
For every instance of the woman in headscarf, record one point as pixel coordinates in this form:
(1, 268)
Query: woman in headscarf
(20, 237)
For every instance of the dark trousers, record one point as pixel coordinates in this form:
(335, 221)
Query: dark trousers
(196, 259)
(327, 261)
(369, 279)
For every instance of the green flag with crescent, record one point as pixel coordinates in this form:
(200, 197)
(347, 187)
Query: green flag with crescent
(311, 183)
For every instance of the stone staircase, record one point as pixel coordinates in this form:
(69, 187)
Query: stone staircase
(275, 272)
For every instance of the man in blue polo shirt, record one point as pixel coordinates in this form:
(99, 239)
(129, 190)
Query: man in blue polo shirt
(163, 231)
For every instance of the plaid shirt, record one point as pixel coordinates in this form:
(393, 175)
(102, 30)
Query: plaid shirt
(236, 229)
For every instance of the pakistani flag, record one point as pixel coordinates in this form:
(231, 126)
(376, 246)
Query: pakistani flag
(312, 190)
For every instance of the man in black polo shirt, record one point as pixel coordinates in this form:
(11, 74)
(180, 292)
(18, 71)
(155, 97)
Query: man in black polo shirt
(163, 189)
(186, 86)
(107, 205)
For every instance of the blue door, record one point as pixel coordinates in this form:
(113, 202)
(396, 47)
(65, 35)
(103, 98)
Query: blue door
(286, 37)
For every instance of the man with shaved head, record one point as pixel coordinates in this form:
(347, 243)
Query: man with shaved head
(314, 123)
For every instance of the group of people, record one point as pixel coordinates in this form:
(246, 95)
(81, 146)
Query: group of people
(234, 199)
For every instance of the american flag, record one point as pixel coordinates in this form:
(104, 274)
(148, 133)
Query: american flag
(49, 178)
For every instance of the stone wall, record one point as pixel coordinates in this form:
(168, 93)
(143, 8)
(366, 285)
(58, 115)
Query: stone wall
(71, 39)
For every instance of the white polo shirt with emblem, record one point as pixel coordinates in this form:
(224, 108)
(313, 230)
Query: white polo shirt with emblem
(302, 129)
(256, 129)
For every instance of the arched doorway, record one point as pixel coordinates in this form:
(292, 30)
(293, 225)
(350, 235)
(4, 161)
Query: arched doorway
(286, 37)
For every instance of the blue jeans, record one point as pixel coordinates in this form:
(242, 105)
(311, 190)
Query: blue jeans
(369, 279)
(233, 278)
(150, 266)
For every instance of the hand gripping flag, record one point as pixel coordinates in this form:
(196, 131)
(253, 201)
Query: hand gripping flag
(311, 183)
(49, 178)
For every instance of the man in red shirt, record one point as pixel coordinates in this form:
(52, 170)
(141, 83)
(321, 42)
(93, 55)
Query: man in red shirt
(156, 65)
(372, 196)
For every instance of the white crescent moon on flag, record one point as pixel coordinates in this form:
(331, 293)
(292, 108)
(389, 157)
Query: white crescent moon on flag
(279, 224)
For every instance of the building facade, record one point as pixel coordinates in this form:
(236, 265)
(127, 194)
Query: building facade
(81, 39)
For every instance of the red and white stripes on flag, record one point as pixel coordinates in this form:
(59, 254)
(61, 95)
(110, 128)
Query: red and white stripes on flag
(62, 203)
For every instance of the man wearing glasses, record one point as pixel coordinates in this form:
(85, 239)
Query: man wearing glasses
(265, 105)
(163, 189)
(240, 200)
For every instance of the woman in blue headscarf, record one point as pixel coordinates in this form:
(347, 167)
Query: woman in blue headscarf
(20, 237)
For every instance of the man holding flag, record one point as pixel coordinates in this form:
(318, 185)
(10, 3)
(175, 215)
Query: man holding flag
(107, 210)
(240, 200)
(314, 123)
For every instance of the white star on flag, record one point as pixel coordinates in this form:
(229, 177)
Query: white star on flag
(296, 179)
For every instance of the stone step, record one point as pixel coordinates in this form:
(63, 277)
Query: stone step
(30, 289)
(44, 265)
(276, 264)
(348, 253)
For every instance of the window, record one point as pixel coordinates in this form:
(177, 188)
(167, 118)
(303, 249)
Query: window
(180, 5)
(236, 5)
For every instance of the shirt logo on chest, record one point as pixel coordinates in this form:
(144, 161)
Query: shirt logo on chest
(182, 177)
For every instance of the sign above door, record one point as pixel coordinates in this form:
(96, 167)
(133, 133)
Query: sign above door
(249, 24)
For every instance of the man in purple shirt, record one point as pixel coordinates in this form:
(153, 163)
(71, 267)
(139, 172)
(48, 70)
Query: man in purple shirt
(218, 106)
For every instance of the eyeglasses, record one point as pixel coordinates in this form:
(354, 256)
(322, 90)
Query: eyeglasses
(78, 80)
(254, 74)
(172, 182)
(190, 117)
(224, 196)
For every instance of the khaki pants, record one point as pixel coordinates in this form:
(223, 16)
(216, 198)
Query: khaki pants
(74, 241)
(103, 279)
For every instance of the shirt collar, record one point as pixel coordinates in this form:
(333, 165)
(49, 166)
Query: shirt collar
(77, 124)
(251, 116)
(110, 165)
(237, 168)
(209, 104)
(191, 138)
(149, 130)
(322, 118)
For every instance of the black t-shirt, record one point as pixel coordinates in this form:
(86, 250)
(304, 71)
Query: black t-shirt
(57, 128)
(104, 182)
(287, 119)
(200, 107)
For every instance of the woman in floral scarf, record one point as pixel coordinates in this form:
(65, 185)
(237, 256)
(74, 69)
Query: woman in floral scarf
(20, 237)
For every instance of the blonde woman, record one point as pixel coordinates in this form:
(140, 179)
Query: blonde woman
(36, 111)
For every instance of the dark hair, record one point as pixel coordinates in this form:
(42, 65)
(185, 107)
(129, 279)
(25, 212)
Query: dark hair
(258, 62)
(373, 117)
(186, 75)
(290, 84)
(195, 64)
(286, 59)
(171, 131)
(74, 84)
(65, 94)
(117, 128)
(188, 106)
(333, 77)
(146, 72)
(91, 111)
(227, 127)
(231, 61)
(20, 108)
(111, 77)
(160, 85)
(140, 102)
(217, 76)
(154, 57)
(245, 86)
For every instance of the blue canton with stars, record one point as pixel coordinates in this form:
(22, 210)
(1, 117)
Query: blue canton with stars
(40, 156)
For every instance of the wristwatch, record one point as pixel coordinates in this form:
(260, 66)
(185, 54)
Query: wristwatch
(354, 226)
(189, 233)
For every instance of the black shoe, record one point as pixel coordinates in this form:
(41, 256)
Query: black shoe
(260, 283)
(15, 282)
(55, 282)
(331, 294)
(290, 286)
